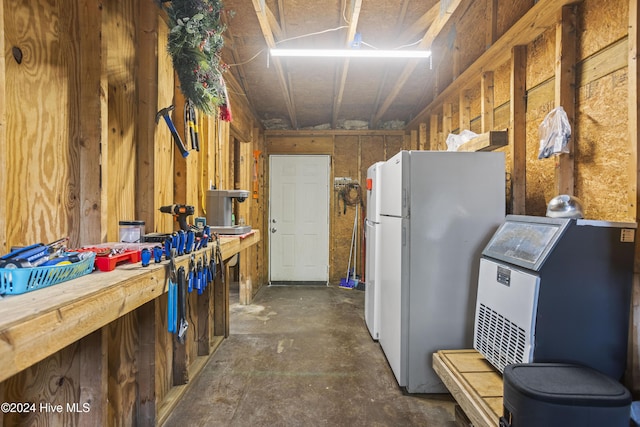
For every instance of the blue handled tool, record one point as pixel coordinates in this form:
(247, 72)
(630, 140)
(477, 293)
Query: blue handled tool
(181, 242)
(31, 255)
(191, 281)
(191, 235)
(145, 257)
(157, 254)
(175, 242)
(182, 305)
(201, 280)
(164, 113)
(172, 295)
(206, 233)
(168, 243)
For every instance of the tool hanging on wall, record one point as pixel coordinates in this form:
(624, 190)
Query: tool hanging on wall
(164, 113)
(351, 195)
(172, 293)
(191, 122)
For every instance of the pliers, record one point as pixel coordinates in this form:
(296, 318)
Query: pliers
(172, 294)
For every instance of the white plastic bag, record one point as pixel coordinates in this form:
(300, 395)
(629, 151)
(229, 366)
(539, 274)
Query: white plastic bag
(554, 132)
(454, 141)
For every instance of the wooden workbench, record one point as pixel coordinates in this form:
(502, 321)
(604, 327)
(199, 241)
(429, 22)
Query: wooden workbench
(473, 382)
(101, 337)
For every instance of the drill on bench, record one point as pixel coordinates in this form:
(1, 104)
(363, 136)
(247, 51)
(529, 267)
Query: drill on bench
(180, 212)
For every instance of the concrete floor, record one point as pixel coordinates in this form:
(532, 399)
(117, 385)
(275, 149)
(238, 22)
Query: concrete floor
(302, 356)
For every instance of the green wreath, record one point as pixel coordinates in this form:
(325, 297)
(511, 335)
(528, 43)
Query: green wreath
(195, 42)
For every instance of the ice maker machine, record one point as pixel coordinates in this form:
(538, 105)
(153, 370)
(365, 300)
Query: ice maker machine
(556, 290)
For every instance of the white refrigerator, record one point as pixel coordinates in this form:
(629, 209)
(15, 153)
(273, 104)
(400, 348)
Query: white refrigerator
(438, 211)
(372, 252)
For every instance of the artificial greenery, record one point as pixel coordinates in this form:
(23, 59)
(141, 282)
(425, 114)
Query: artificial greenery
(195, 42)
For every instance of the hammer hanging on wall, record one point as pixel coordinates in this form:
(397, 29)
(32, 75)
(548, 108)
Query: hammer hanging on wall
(164, 113)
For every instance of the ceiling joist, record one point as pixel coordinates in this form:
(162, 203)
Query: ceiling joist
(341, 79)
(421, 25)
(263, 12)
(434, 30)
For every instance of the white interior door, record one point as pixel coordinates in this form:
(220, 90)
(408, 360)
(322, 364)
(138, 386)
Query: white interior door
(298, 218)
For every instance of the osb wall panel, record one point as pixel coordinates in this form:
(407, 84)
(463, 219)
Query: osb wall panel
(600, 23)
(41, 93)
(475, 102)
(443, 70)
(541, 59)
(352, 157)
(470, 34)
(345, 164)
(509, 11)
(501, 85)
(601, 148)
(540, 177)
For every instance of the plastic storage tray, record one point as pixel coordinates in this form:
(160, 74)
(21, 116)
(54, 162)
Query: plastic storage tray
(15, 281)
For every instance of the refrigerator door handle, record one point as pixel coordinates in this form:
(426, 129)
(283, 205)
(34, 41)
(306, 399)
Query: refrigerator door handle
(405, 198)
(404, 236)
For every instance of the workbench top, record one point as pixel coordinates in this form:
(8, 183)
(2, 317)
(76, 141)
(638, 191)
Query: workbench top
(473, 382)
(39, 323)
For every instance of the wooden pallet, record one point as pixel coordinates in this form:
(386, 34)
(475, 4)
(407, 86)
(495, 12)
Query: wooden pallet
(473, 382)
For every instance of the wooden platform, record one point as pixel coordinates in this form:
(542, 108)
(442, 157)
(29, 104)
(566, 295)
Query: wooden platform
(473, 382)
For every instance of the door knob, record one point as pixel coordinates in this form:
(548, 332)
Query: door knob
(273, 230)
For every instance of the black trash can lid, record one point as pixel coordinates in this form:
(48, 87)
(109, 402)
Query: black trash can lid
(566, 384)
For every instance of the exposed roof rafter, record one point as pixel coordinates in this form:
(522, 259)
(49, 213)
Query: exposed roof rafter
(341, 79)
(263, 13)
(434, 30)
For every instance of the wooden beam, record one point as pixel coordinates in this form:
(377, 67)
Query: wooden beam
(146, 364)
(433, 132)
(267, 33)
(491, 22)
(487, 101)
(431, 34)
(283, 18)
(518, 128)
(93, 125)
(447, 123)
(541, 17)
(565, 91)
(147, 84)
(633, 196)
(94, 380)
(464, 111)
(476, 386)
(238, 65)
(3, 140)
(341, 79)
(487, 141)
(278, 33)
(422, 135)
(420, 25)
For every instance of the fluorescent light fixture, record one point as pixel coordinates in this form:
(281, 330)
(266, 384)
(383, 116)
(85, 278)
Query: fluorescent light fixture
(351, 53)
